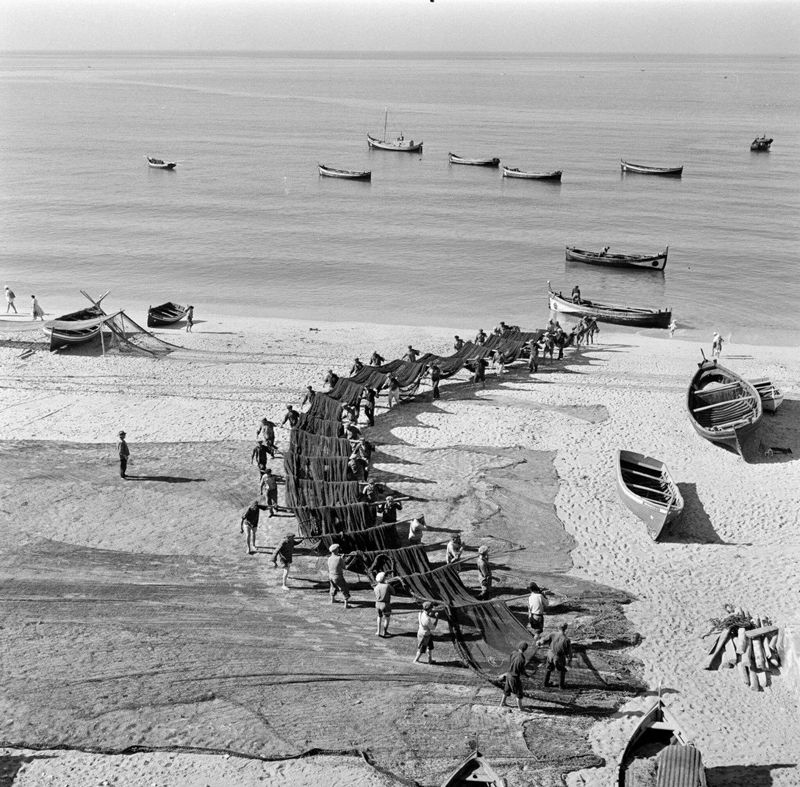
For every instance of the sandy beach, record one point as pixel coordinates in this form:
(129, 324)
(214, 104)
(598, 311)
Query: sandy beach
(160, 689)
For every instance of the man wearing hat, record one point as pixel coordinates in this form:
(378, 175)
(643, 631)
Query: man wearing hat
(485, 572)
(336, 578)
(513, 678)
(283, 556)
(124, 453)
(558, 656)
(427, 621)
(383, 604)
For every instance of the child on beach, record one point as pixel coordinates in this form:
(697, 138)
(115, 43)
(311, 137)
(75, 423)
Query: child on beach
(189, 319)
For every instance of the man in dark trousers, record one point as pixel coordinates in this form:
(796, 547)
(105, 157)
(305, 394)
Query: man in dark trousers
(389, 509)
(376, 359)
(124, 454)
(513, 680)
(269, 488)
(291, 415)
(259, 455)
(559, 655)
(369, 405)
(336, 580)
(436, 377)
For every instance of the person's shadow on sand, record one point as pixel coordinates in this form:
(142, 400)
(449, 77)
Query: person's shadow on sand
(168, 479)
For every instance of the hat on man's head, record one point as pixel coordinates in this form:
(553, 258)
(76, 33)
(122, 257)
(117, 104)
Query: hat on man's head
(122, 434)
(333, 548)
(427, 606)
(380, 576)
(483, 550)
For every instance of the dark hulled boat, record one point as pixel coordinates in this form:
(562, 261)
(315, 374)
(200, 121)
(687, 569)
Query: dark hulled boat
(165, 314)
(474, 162)
(761, 144)
(618, 315)
(475, 771)
(157, 163)
(648, 262)
(646, 169)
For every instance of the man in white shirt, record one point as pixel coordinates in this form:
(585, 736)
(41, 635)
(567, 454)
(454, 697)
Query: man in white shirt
(537, 604)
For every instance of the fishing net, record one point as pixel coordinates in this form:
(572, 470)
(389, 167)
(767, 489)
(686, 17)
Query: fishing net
(346, 392)
(312, 444)
(325, 407)
(380, 537)
(325, 520)
(320, 426)
(302, 493)
(315, 468)
(398, 561)
(442, 585)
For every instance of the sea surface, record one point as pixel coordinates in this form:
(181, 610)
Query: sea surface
(245, 225)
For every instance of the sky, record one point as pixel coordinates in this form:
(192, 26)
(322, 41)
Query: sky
(754, 27)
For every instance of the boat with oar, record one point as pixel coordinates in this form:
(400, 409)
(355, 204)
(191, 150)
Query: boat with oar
(399, 143)
(513, 172)
(771, 397)
(723, 407)
(646, 487)
(646, 169)
(475, 771)
(648, 262)
(157, 163)
(344, 174)
(618, 315)
(165, 314)
(658, 754)
(68, 328)
(474, 162)
(761, 144)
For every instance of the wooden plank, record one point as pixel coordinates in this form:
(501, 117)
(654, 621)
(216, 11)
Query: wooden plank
(749, 397)
(762, 631)
(716, 650)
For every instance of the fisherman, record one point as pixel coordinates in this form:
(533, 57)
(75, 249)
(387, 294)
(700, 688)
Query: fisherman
(533, 358)
(308, 397)
(266, 434)
(356, 367)
(558, 656)
(411, 355)
(189, 318)
(336, 580)
(716, 345)
(479, 375)
(672, 326)
(576, 294)
(10, 296)
(330, 379)
(537, 604)
(549, 345)
(394, 391)
(250, 518)
(259, 455)
(485, 572)
(388, 510)
(283, 556)
(355, 467)
(513, 677)
(269, 488)
(436, 377)
(453, 550)
(376, 359)
(369, 493)
(459, 343)
(352, 432)
(415, 530)
(481, 337)
(291, 415)
(427, 620)
(124, 455)
(369, 405)
(383, 604)
(593, 327)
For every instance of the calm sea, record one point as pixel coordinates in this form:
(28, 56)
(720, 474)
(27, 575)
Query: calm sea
(245, 225)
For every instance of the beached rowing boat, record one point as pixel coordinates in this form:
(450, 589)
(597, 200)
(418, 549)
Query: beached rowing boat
(475, 771)
(165, 314)
(512, 172)
(474, 162)
(761, 144)
(644, 169)
(724, 408)
(659, 755)
(344, 174)
(648, 262)
(647, 489)
(68, 329)
(771, 397)
(618, 315)
(399, 144)
(157, 163)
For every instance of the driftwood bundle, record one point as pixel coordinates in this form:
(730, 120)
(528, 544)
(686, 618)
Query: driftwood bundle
(747, 643)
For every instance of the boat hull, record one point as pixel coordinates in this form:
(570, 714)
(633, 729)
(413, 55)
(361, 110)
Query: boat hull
(165, 314)
(652, 262)
(617, 315)
(771, 397)
(474, 771)
(344, 174)
(474, 162)
(646, 488)
(398, 146)
(520, 175)
(158, 164)
(727, 413)
(61, 335)
(761, 145)
(644, 169)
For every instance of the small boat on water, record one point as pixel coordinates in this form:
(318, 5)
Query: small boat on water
(644, 169)
(513, 172)
(771, 397)
(399, 143)
(647, 489)
(724, 408)
(475, 771)
(649, 262)
(659, 755)
(68, 329)
(618, 315)
(345, 174)
(165, 314)
(761, 144)
(157, 163)
(474, 162)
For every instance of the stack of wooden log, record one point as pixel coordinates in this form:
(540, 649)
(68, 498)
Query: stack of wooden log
(747, 643)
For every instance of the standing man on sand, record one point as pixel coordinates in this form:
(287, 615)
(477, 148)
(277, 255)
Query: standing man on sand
(485, 572)
(250, 518)
(411, 355)
(291, 415)
(537, 604)
(394, 392)
(436, 378)
(10, 300)
(369, 405)
(513, 679)
(383, 604)
(426, 625)
(336, 578)
(124, 455)
(716, 345)
(559, 655)
(269, 488)
(189, 318)
(283, 556)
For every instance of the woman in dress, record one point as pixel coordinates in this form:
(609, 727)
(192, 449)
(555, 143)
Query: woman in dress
(37, 312)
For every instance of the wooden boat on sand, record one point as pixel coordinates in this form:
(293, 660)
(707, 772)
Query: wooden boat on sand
(659, 755)
(61, 330)
(513, 172)
(648, 262)
(645, 169)
(761, 144)
(157, 163)
(165, 314)
(724, 408)
(474, 162)
(345, 174)
(475, 771)
(618, 315)
(399, 144)
(771, 397)
(647, 489)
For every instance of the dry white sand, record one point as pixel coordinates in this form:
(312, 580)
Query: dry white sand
(738, 542)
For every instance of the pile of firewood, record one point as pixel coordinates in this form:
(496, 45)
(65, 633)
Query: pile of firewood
(746, 642)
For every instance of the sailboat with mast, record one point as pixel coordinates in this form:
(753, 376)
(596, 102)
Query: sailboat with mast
(400, 143)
